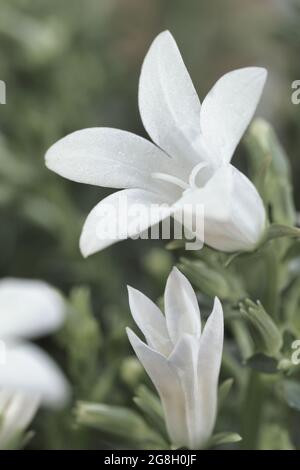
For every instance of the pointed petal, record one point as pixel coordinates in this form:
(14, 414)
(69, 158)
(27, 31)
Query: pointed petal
(168, 102)
(228, 109)
(121, 215)
(209, 363)
(16, 412)
(185, 360)
(181, 307)
(244, 225)
(107, 157)
(168, 385)
(29, 308)
(150, 321)
(27, 369)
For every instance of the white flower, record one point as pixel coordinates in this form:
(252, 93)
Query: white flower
(182, 362)
(28, 376)
(190, 162)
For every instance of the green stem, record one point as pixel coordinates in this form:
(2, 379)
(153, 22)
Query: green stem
(255, 391)
(252, 411)
(271, 295)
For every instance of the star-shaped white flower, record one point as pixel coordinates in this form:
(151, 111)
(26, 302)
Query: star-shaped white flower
(182, 362)
(189, 162)
(28, 376)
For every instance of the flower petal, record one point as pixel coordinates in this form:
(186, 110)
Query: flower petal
(27, 369)
(16, 412)
(168, 102)
(245, 223)
(181, 307)
(167, 383)
(150, 321)
(121, 215)
(29, 308)
(215, 196)
(108, 157)
(185, 360)
(209, 363)
(228, 109)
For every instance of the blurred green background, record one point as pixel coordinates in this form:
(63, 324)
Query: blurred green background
(75, 64)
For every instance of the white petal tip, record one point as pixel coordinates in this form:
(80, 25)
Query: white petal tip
(85, 253)
(217, 302)
(218, 309)
(133, 338)
(165, 34)
(175, 274)
(175, 269)
(164, 39)
(85, 246)
(173, 278)
(48, 158)
(133, 294)
(260, 73)
(52, 159)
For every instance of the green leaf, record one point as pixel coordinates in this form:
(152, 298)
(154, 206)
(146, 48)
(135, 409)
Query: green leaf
(212, 280)
(27, 437)
(121, 423)
(18, 441)
(223, 438)
(223, 392)
(265, 334)
(232, 257)
(279, 231)
(150, 405)
(263, 363)
(113, 419)
(291, 393)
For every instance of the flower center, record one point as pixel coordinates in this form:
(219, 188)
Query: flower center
(192, 184)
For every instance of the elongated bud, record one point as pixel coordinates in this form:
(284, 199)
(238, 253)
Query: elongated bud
(270, 170)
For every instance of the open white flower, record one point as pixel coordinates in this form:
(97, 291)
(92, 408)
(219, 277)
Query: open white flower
(28, 376)
(190, 163)
(182, 362)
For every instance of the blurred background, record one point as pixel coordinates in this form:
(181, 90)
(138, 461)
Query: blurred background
(75, 64)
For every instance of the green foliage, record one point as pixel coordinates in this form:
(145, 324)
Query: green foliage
(291, 393)
(151, 407)
(74, 64)
(223, 438)
(265, 334)
(224, 390)
(81, 339)
(122, 425)
(271, 173)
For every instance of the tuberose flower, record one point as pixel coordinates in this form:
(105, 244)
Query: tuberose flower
(188, 163)
(28, 376)
(182, 362)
